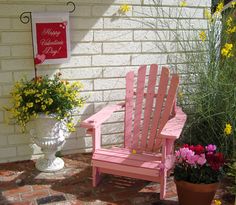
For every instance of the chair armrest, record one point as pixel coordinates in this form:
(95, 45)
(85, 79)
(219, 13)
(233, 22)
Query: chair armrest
(174, 126)
(101, 116)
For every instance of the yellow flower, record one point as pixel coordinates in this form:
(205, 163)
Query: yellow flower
(217, 202)
(229, 22)
(231, 30)
(180, 94)
(29, 105)
(219, 8)
(134, 151)
(228, 129)
(207, 14)
(183, 3)
(124, 8)
(50, 101)
(202, 35)
(43, 107)
(233, 4)
(227, 50)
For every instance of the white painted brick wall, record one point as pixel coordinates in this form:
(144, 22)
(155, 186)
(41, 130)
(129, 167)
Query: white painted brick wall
(105, 45)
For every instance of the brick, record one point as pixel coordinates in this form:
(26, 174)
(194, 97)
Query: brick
(192, 24)
(30, 74)
(109, 60)
(77, 143)
(87, 48)
(114, 95)
(86, 23)
(19, 139)
(158, 47)
(6, 129)
(17, 190)
(110, 11)
(123, 23)
(109, 84)
(5, 51)
(81, 73)
(5, 23)
(186, 13)
(119, 71)
(112, 128)
(120, 35)
(81, 36)
(96, 96)
(6, 89)
(151, 35)
(22, 51)
(7, 152)
(28, 150)
(3, 140)
(17, 64)
(129, 47)
(6, 77)
(34, 194)
(77, 62)
(17, 25)
(87, 85)
(16, 9)
(149, 59)
(16, 37)
(112, 139)
(80, 10)
(150, 11)
(1, 116)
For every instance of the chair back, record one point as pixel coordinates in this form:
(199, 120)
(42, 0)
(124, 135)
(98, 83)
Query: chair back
(148, 107)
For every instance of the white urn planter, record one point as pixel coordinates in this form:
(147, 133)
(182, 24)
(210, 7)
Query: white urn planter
(49, 134)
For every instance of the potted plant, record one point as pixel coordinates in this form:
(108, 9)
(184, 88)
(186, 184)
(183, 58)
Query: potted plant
(49, 103)
(197, 172)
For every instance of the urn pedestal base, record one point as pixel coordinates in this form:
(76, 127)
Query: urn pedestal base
(49, 134)
(46, 165)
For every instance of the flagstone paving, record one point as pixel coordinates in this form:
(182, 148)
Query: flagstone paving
(22, 184)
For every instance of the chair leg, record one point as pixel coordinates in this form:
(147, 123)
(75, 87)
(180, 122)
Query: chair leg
(96, 176)
(163, 184)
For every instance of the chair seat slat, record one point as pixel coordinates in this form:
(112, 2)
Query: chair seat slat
(128, 154)
(126, 161)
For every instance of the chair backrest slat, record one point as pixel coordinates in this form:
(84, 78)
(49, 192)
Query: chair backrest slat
(138, 105)
(168, 107)
(148, 105)
(158, 107)
(129, 108)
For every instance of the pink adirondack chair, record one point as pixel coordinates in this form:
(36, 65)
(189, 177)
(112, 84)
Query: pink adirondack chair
(148, 143)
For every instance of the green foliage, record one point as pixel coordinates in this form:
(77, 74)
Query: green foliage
(214, 95)
(232, 174)
(44, 95)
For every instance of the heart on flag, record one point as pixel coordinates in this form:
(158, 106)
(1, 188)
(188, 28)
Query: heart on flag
(39, 59)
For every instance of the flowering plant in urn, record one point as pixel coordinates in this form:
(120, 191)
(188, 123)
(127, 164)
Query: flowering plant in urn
(44, 95)
(199, 164)
(50, 104)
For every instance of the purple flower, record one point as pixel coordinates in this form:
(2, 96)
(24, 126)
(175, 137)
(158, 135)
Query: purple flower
(210, 148)
(201, 160)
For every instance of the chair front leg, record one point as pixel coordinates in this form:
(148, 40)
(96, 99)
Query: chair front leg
(96, 135)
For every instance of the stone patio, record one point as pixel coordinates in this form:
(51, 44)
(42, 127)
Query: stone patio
(22, 184)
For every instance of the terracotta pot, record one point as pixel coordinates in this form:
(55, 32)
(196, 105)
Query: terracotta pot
(195, 194)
